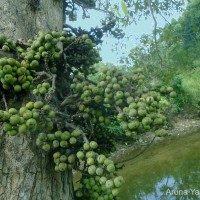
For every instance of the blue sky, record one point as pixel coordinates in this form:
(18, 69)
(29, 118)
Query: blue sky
(113, 49)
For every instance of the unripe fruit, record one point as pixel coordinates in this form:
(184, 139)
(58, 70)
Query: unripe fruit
(71, 158)
(110, 168)
(133, 124)
(72, 140)
(12, 111)
(158, 121)
(92, 169)
(76, 133)
(65, 135)
(63, 158)
(142, 112)
(42, 136)
(51, 136)
(46, 108)
(62, 167)
(64, 144)
(56, 161)
(90, 161)
(99, 171)
(36, 92)
(31, 123)
(30, 105)
(22, 129)
(102, 180)
(172, 94)
(48, 37)
(39, 142)
(118, 181)
(56, 144)
(38, 104)
(101, 158)
(7, 127)
(107, 162)
(80, 155)
(26, 85)
(34, 64)
(132, 112)
(109, 184)
(115, 192)
(7, 69)
(58, 134)
(90, 154)
(6, 115)
(22, 110)
(6, 87)
(14, 119)
(56, 168)
(86, 146)
(81, 108)
(42, 90)
(128, 133)
(12, 133)
(46, 147)
(35, 115)
(53, 70)
(79, 193)
(52, 114)
(27, 115)
(93, 145)
(47, 46)
(56, 155)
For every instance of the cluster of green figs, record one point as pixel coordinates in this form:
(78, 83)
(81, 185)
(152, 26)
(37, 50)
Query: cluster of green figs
(15, 75)
(99, 179)
(138, 108)
(80, 52)
(28, 119)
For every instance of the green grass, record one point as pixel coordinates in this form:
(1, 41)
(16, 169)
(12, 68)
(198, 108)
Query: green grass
(191, 85)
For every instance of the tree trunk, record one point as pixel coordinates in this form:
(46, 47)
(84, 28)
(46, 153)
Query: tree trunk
(22, 19)
(26, 173)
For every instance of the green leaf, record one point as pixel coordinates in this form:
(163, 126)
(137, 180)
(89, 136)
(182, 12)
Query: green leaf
(124, 8)
(115, 11)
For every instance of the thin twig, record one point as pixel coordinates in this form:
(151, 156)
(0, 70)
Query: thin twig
(155, 32)
(164, 18)
(84, 6)
(69, 100)
(62, 114)
(43, 73)
(5, 103)
(51, 91)
(23, 43)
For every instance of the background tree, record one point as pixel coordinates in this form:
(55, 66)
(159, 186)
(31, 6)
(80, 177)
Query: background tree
(173, 57)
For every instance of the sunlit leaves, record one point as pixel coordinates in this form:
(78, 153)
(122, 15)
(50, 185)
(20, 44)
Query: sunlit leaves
(124, 8)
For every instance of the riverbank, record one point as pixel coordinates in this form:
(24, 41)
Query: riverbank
(179, 126)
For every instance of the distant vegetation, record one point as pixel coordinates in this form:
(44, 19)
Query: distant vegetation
(174, 58)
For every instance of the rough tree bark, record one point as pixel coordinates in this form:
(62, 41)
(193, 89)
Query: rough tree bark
(25, 173)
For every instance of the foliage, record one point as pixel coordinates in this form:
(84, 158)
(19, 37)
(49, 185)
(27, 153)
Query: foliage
(174, 58)
(187, 89)
(118, 14)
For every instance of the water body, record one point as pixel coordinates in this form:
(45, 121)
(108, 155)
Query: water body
(169, 170)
